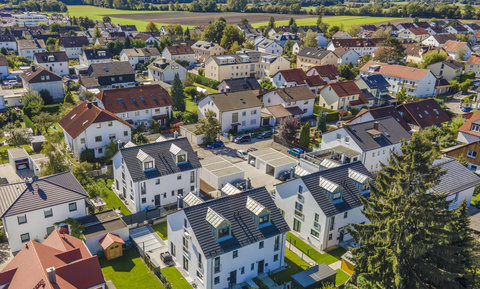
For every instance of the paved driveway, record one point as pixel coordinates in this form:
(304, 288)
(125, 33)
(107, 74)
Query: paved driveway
(12, 176)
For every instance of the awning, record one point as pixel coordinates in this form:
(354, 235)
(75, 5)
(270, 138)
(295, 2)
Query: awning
(295, 110)
(162, 116)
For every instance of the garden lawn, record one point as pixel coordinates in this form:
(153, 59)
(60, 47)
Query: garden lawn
(129, 271)
(346, 21)
(475, 199)
(175, 278)
(327, 258)
(4, 154)
(209, 89)
(161, 229)
(191, 106)
(341, 277)
(294, 265)
(113, 201)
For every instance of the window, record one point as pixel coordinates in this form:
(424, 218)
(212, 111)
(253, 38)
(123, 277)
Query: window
(72, 207)
(332, 223)
(261, 245)
(98, 125)
(185, 263)
(48, 213)
(98, 138)
(254, 112)
(216, 280)
(82, 140)
(314, 233)
(50, 230)
(192, 176)
(144, 200)
(157, 182)
(192, 188)
(244, 113)
(216, 265)
(125, 133)
(100, 150)
(330, 236)
(275, 257)
(242, 270)
(235, 254)
(172, 249)
(297, 225)
(223, 232)
(235, 117)
(199, 275)
(252, 266)
(148, 165)
(276, 246)
(110, 123)
(22, 219)
(25, 237)
(253, 121)
(345, 215)
(179, 177)
(471, 154)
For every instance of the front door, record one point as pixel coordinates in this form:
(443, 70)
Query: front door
(157, 200)
(233, 277)
(260, 266)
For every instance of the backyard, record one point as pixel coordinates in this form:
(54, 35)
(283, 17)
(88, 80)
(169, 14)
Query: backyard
(175, 278)
(4, 155)
(129, 271)
(113, 201)
(161, 229)
(327, 257)
(294, 265)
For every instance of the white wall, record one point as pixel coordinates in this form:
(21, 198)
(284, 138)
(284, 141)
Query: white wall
(60, 68)
(8, 45)
(30, 52)
(54, 87)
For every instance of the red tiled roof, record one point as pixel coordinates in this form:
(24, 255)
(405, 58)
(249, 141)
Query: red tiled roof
(418, 30)
(110, 239)
(329, 70)
(345, 88)
(395, 70)
(180, 49)
(474, 59)
(452, 46)
(467, 126)
(74, 266)
(425, 113)
(134, 98)
(315, 80)
(85, 114)
(296, 75)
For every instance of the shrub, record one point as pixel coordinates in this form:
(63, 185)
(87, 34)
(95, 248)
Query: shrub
(87, 155)
(203, 80)
(29, 123)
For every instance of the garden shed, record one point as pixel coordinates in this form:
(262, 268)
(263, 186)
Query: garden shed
(112, 246)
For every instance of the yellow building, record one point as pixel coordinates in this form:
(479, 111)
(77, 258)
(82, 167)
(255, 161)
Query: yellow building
(309, 57)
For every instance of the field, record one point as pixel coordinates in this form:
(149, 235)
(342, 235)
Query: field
(141, 18)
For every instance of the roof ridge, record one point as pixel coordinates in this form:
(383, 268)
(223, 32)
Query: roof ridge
(37, 257)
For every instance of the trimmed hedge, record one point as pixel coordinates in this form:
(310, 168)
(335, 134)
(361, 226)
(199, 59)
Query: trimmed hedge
(29, 123)
(51, 108)
(203, 80)
(332, 115)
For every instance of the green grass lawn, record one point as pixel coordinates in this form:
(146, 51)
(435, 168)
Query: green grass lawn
(191, 106)
(4, 154)
(294, 265)
(175, 278)
(113, 200)
(161, 229)
(346, 21)
(209, 89)
(129, 271)
(327, 258)
(475, 199)
(341, 277)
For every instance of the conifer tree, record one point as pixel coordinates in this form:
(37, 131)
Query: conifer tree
(322, 121)
(178, 96)
(412, 240)
(305, 135)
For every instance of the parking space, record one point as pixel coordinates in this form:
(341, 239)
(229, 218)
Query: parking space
(8, 172)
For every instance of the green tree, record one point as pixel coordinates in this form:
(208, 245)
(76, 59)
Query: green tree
(111, 149)
(392, 50)
(213, 32)
(304, 139)
(54, 27)
(433, 57)
(244, 21)
(32, 100)
(56, 163)
(16, 136)
(319, 20)
(354, 30)
(97, 33)
(230, 35)
(44, 120)
(310, 39)
(402, 96)
(237, 5)
(46, 96)
(411, 239)
(209, 126)
(178, 96)
(288, 128)
(271, 22)
(106, 19)
(321, 121)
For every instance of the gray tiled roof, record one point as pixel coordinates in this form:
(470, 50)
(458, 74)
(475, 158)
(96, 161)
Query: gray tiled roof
(18, 198)
(457, 177)
(391, 130)
(234, 209)
(339, 176)
(164, 161)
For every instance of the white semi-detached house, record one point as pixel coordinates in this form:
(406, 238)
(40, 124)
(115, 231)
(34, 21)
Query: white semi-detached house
(138, 104)
(156, 174)
(27, 48)
(298, 100)
(372, 140)
(270, 46)
(416, 81)
(88, 126)
(8, 42)
(181, 52)
(30, 209)
(319, 206)
(56, 62)
(139, 55)
(38, 78)
(165, 70)
(92, 56)
(236, 111)
(228, 241)
(72, 45)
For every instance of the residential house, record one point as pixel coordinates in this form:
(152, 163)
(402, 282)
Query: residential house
(282, 38)
(309, 57)
(73, 45)
(8, 42)
(423, 113)
(373, 140)
(156, 174)
(295, 77)
(38, 78)
(458, 50)
(240, 84)
(342, 35)
(416, 81)
(328, 72)
(439, 39)
(414, 52)
(320, 206)
(228, 241)
(362, 46)
(249, 30)
(448, 69)
(88, 126)
(470, 152)
(149, 37)
(297, 46)
(3, 67)
(138, 104)
(298, 101)
(341, 95)
(203, 50)
(92, 56)
(135, 56)
(375, 86)
(470, 131)
(377, 113)
(32, 208)
(127, 29)
(56, 62)
(28, 48)
(346, 56)
(270, 46)
(236, 111)
(179, 53)
(108, 75)
(472, 27)
(417, 34)
(164, 70)
(61, 261)
(473, 65)
(456, 29)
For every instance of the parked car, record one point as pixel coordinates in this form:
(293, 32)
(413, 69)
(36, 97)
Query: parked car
(251, 149)
(242, 154)
(467, 109)
(214, 145)
(167, 258)
(295, 152)
(284, 176)
(265, 134)
(243, 138)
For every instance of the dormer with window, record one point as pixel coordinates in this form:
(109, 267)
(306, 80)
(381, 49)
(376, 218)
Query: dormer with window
(221, 227)
(179, 154)
(333, 191)
(261, 215)
(147, 162)
(361, 181)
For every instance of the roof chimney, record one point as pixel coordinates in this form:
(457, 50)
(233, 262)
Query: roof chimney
(89, 105)
(51, 275)
(34, 68)
(375, 125)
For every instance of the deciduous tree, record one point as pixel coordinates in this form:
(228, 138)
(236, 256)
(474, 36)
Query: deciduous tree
(209, 127)
(288, 128)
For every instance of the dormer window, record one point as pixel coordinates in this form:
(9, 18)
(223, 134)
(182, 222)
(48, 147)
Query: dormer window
(334, 192)
(179, 154)
(148, 165)
(261, 215)
(147, 162)
(361, 181)
(220, 226)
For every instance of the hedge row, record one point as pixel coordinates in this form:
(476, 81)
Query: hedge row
(51, 108)
(332, 115)
(203, 80)
(29, 123)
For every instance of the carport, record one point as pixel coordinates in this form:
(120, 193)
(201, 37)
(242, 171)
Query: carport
(18, 158)
(217, 171)
(271, 162)
(314, 277)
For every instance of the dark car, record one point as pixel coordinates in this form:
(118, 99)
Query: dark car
(167, 258)
(265, 134)
(284, 176)
(243, 138)
(467, 109)
(214, 145)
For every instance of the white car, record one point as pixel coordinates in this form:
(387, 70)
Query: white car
(242, 154)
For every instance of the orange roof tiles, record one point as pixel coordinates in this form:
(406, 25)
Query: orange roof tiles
(452, 46)
(395, 70)
(474, 59)
(110, 239)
